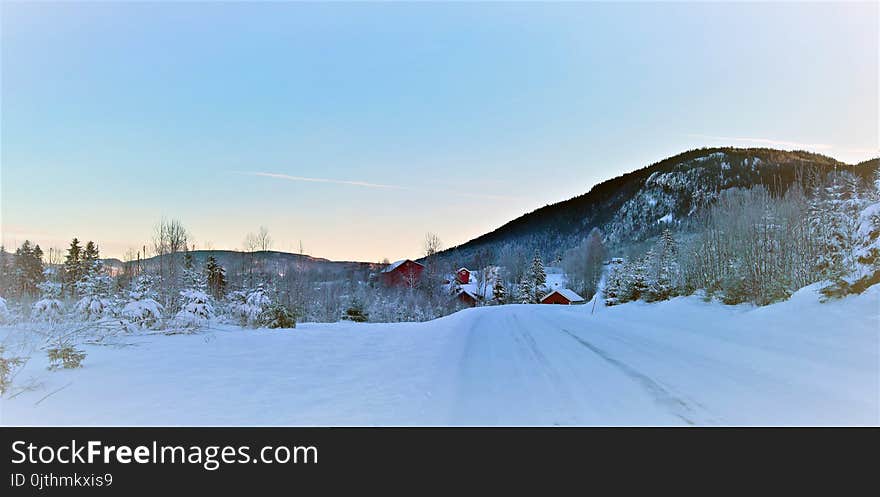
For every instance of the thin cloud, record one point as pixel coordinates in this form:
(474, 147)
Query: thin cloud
(768, 141)
(380, 186)
(364, 184)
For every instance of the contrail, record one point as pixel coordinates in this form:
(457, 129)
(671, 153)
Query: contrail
(364, 184)
(381, 186)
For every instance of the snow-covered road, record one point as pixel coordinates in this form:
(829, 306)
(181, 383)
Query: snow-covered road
(683, 362)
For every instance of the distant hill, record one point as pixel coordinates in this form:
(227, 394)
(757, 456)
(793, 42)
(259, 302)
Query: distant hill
(231, 259)
(638, 204)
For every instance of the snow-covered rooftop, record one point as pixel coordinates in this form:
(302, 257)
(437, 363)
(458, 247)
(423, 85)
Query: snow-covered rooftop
(394, 265)
(567, 293)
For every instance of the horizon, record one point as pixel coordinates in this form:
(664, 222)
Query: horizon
(354, 129)
(243, 250)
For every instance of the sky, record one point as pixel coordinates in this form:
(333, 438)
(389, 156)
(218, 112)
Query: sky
(355, 128)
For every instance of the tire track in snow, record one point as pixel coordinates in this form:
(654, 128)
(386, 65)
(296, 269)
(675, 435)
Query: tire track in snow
(676, 406)
(525, 337)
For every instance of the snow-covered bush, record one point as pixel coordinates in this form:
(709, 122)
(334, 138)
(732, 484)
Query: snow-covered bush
(49, 308)
(277, 315)
(250, 307)
(93, 307)
(142, 309)
(256, 308)
(196, 310)
(94, 289)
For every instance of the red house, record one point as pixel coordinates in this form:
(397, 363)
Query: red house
(402, 273)
(463, 276)
(467, 298)
(562, 296)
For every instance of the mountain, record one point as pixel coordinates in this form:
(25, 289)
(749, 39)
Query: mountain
(636, 205)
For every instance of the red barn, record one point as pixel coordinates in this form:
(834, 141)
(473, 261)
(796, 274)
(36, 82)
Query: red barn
(463, 276)
(562, 296)
(402, 273)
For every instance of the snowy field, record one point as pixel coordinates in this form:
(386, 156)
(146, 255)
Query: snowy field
(681, 362)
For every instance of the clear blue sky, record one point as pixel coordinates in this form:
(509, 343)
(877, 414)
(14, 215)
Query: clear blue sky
(356, 128)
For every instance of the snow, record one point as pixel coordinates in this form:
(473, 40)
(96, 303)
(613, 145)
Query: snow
(713, 155)
(679, 362)
(556, 278)
(866, 219)
(665, 219)
(4, 311)
(473, 287)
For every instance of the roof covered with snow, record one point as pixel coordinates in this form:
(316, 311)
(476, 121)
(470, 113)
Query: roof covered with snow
(396, 264)
(567, 293)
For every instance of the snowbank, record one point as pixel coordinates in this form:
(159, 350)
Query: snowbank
(679, 362)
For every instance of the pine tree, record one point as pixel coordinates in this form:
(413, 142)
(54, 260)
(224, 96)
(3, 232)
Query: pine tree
(499, 293)
(89, 258)
(94, 289)
(216, 277)
(196, 309)
(188, 263)
(355, 312)
(665, 268)
(637, 284)
(525, 291)
(867, 249)
(49, 308)
(196, 306)
(835, 227)
(72, 266)
(28, 270)
(613, 291)
(190, 276)
(537, 278)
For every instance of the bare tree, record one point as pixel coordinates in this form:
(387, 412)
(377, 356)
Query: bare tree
(169, 239)
(432, 244)
(264, 241)
(258, 241)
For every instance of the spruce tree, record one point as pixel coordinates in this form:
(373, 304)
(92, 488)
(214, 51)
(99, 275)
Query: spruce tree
(665, 270)
(537, 277)
(89, 259)
(28, 269)
(638, 277)
(499, 293)
(614, 285)
(94, 289)
(525, 293)
(143, 308)
(72, 266)
(216, 277)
